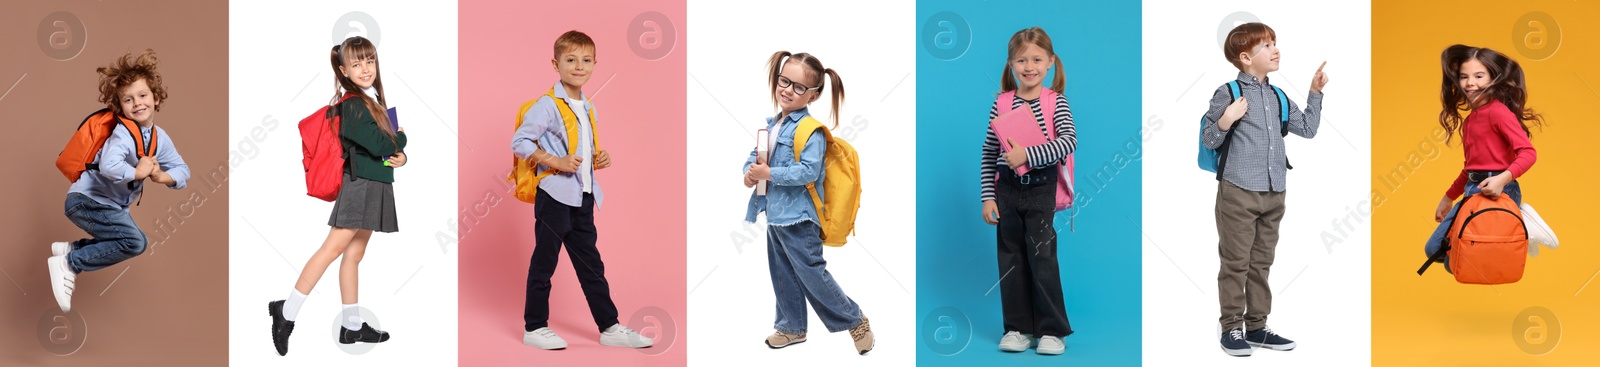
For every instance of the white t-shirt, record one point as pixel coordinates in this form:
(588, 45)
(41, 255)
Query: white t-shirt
(585, 144)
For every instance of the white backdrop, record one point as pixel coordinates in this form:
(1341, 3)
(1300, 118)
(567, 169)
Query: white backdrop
(278, 74)
(731, 304)
(1321, 276)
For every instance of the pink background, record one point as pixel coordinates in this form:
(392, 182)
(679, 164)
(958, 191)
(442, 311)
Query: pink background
(505, 60)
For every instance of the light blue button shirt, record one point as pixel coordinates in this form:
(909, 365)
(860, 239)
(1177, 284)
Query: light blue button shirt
(787, 201)
(113, 183)
(542, 127)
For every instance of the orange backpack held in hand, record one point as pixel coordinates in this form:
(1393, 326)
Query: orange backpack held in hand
(1487, 243)
(83, 149)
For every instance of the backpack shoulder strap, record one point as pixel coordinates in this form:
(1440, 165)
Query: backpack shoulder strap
(1444, 246)
(1222, 150)
(1002, 103)
(569, 119)
(802, 134)
(1047, 106)
(1283, 110)
(141, 147)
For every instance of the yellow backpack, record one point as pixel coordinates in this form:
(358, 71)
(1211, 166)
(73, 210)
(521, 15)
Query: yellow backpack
(842, 183)
(525, 172)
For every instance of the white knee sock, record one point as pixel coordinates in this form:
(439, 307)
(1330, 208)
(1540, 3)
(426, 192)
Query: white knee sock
(351, 317)
(291, 306)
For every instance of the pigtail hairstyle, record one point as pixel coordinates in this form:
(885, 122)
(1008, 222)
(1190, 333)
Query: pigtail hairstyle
(1020, 40)
(1506, 84)
(359, 48)
(815, 69)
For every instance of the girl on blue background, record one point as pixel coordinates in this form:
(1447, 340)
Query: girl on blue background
(794, 235)
(1023, 205)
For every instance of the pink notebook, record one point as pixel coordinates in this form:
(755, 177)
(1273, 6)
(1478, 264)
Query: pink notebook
(1019, 126)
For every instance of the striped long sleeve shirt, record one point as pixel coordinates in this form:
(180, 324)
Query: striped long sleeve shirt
(1039, 156)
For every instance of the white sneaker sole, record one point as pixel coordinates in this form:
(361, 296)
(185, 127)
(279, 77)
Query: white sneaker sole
(791, 342)
(1237, 352)
(1013, 348)
(562, 345)
(1050, 351)
(626, 341)
(1281, 348)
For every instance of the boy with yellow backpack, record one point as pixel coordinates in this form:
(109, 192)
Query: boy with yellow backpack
(811, 194)
(556, 154)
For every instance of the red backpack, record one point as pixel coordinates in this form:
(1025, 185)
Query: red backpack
(1047, 105)
(323, 153)
(84, 147)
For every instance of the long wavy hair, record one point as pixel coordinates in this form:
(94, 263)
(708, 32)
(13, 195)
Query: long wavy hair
(1506, 84)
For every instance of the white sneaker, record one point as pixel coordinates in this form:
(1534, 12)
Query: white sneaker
(1050, 345)
(62, 281)
(1015, 342)
(621, 336)
(60, 248)
(544, 338)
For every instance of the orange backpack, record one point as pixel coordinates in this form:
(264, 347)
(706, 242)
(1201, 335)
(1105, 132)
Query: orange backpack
(1487, 243)
(84, 147)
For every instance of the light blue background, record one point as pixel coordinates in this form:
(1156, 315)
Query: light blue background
(1099, 45)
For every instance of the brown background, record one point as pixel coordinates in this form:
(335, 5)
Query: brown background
(169, 306)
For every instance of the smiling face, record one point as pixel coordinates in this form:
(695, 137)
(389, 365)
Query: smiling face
(1263, 58)
(798, 77)
(1030, 65)
(361, 71)
(138, 103)
(1473, 78)
(575, 66)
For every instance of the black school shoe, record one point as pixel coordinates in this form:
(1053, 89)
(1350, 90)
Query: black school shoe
(1265, 338)
(281, 327)
(366, 335)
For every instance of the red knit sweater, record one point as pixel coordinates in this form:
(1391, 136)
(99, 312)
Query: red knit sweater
(1493, 140)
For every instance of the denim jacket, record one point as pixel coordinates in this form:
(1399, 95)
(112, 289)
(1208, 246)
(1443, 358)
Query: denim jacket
(789, 200)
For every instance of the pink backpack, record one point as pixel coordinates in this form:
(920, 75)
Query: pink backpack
(1047, 103)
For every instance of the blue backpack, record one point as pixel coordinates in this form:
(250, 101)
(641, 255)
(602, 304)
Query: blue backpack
(1214, 160)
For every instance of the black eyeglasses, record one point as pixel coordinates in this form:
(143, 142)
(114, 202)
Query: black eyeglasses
(799, 89)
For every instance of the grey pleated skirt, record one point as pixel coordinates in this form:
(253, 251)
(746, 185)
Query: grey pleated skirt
(365, 204)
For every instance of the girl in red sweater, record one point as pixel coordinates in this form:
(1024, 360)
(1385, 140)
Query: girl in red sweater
(1494, 136)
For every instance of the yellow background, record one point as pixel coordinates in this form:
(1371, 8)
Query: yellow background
(1431, 320)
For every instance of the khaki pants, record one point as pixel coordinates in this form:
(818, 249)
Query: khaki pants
(1247, 233)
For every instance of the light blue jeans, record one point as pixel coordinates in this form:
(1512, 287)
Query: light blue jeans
(114, 237)
(794, 255)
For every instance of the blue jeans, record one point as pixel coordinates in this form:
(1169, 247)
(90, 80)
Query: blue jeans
(1512, 189)
(113, 235)
(794, 255)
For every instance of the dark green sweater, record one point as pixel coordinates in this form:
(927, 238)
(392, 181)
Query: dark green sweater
(366, 142)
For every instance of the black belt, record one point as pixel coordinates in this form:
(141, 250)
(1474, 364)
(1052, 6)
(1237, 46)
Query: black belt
(1034, 177)
(1479, 176)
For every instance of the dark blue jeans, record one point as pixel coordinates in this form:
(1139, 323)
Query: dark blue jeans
(557, 225)
(114, 237)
